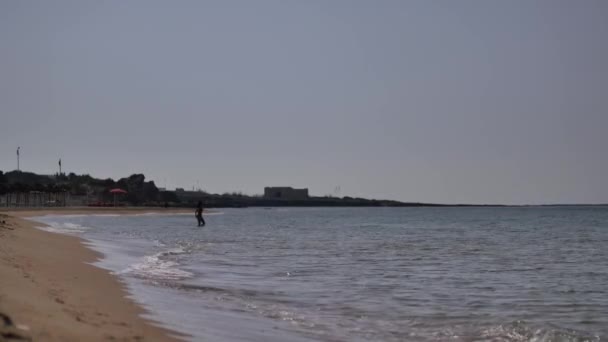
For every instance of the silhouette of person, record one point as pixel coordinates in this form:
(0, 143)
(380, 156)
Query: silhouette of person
(199, 214)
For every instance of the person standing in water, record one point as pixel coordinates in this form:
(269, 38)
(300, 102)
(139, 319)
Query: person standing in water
(199, 214)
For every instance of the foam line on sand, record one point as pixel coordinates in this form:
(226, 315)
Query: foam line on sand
(49, 291)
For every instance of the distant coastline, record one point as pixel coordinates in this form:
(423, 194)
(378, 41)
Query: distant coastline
(28, 189)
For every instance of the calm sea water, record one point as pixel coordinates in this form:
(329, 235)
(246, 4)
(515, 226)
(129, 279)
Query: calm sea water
(364, 274)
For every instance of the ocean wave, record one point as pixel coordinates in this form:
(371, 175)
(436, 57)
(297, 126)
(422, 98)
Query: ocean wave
(156, 267)
(64, 228)
(521, 331)
(77, 215)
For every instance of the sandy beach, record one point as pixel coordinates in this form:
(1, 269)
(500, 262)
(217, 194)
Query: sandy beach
(49, 291)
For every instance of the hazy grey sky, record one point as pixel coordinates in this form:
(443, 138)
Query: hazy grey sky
(436, 101)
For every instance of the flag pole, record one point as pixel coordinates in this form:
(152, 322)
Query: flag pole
(18, 147)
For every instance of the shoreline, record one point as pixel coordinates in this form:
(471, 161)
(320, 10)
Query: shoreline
(25, 212)
(51, 291)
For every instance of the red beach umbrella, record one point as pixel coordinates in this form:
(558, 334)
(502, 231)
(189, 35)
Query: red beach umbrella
(117, 191)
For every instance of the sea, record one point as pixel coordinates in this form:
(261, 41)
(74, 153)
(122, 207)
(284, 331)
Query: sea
(362, 274)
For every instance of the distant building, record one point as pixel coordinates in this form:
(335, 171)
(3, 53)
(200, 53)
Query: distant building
(285, 192)
(187, 196)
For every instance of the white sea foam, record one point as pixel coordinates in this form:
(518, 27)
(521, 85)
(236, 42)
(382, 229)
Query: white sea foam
(64, 228)
(78, 215)
(155, 214)
(157, 267)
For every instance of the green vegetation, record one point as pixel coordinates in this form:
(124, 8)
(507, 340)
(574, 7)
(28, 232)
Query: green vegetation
(139, 192)
(94, 191)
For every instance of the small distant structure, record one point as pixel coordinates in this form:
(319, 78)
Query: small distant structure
(190, 196)
(117, 191)
(285, 192)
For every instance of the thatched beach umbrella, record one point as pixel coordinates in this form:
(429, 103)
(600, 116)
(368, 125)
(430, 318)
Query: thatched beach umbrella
(117, 191)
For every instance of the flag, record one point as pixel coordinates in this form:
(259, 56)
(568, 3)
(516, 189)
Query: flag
(59, 162)
(18, 150)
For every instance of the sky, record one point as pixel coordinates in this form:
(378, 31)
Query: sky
(426, 101)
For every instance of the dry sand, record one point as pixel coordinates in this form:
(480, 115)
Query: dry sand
(49, 291)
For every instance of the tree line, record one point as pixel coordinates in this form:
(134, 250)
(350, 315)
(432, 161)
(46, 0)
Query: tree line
(139, 191)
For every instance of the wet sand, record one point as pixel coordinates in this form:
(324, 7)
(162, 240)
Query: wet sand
(49, 291)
